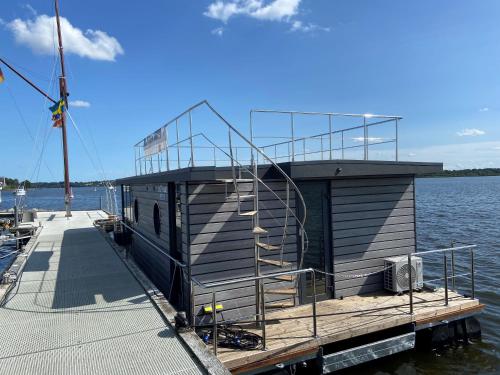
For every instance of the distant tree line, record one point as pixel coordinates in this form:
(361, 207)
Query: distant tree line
(465, 173)
(13, 183)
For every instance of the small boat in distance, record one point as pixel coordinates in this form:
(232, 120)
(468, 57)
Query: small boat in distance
(20, 192)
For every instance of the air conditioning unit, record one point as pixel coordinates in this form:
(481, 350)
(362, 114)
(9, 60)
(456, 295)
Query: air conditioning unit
(396, 275)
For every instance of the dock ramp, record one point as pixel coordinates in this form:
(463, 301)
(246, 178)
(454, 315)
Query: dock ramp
(77, 309)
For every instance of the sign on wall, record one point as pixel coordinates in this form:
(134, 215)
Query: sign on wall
(155, 143)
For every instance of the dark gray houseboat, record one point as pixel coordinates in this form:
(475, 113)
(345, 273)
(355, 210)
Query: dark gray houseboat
(303, 208)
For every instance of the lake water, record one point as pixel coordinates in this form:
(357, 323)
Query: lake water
(461, 209)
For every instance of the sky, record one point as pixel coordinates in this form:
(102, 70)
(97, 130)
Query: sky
(131, 67)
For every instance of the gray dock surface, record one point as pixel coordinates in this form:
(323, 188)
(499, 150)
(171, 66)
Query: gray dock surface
(78, 310)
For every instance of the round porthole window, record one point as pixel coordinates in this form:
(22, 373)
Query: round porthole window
(157, 219)
(136, 211)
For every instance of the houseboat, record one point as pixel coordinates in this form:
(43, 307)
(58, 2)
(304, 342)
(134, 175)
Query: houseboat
(299, 229)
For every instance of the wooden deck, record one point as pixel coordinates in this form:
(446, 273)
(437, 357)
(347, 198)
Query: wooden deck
(289, 335)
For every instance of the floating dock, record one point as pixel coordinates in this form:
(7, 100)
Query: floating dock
(77, 309)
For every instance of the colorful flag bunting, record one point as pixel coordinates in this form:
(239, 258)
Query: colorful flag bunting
(57, 109)
(57, 123)
(1, 76)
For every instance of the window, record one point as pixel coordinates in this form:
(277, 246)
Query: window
(136, 211)
(157, 219)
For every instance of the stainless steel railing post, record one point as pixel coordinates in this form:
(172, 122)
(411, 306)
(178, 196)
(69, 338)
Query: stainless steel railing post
(453, 286)
(191, 138)
(193, 313)
(177, 143)
(410, 284)
(214, 321)
(263, 313)
(397, 140)
(315, 323)
(330, 134)
(472, 266)
(365, 128)
(293, 136)
(304, 147)
(342, 133)
(166, 149)
(445, 270)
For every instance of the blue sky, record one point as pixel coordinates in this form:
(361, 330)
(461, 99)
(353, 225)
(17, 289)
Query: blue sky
(436, 63)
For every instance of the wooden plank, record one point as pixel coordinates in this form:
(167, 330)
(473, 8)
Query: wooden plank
(337, 192)
(361, 215)
(373, 206)
(371, 198)
(374, 238)
(232, 225)
(377, 222)
(373, 246)
(345, 233)
(382, 181)
(374, 254)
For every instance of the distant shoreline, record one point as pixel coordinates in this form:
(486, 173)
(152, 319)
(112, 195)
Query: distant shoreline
(485, 172)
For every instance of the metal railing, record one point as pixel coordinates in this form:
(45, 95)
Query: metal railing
(259, 279)
(324, 148)
(165, 149)
(451, 251)
(314, 315)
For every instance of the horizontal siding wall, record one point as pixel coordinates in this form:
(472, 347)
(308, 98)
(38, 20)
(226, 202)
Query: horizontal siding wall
(222, 244)
(155, 264)
(372, 219)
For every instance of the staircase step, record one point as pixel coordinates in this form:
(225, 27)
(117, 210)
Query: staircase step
(259, 230)
(266, 246)
(248, 196)
(281, 291)
(230, 180)
(248, 213)
(273, 262)
(279, 305)
(285, 278)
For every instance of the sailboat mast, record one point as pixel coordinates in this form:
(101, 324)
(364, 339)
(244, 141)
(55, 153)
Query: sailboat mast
(64, 95)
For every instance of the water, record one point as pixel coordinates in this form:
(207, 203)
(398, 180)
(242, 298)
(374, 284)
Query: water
(51, 199)
(463, 209)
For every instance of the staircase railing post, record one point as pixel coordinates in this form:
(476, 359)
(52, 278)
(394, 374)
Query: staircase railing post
(263, 314)
(315, 323)
(214, 321)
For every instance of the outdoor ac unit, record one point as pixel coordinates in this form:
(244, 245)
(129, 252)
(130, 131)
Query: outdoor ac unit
(396, 275)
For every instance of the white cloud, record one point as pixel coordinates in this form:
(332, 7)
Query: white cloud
(306, 28)
(219, 31)
(38, 34)
(470, 132)
(370, 139)
(31, 9)
(484, 109)
(79, 103)
(275, 10)
(412, 154)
